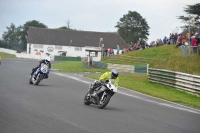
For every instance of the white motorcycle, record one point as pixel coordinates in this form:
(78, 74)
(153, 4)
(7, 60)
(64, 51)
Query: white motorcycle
(101, 94)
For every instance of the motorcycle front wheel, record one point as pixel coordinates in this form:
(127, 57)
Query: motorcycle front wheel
(103, 102)
(30, 81)
(87, 100)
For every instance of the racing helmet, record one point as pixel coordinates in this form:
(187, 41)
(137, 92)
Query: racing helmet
(47, 60)
(114, 74)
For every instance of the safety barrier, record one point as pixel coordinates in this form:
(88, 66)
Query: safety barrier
(100, 65)
(121, 68)
(182, 81)
(68, 58)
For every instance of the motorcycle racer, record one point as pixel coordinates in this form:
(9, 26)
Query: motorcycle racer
(46, 61)
(113, 75)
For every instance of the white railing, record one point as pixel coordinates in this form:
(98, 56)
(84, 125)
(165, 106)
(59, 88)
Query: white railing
(182, 81)
(9, 51)
(24, 55)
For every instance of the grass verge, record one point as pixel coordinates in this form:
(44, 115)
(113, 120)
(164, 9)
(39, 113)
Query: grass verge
(5, 55)
(74, 66)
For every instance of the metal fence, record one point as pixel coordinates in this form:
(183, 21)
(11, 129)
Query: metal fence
(183, 81)
(188, 50)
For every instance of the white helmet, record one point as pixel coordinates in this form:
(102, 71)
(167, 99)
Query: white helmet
(47, 59)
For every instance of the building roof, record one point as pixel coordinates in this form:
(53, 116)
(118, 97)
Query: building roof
(74, 38)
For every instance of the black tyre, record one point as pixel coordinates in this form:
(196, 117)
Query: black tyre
(104, 101)
(87, 100)
(30, 82)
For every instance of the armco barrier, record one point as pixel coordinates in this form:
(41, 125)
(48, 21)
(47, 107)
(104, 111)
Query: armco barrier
(183, 81)
(62, 58)
(85, 64)
(100, 65)
(121, 68)
(140, 69)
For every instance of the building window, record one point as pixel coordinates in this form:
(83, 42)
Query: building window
(37, 46)
(78, 48)
(58, 47)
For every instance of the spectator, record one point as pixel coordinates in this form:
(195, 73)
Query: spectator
(198, 39)
(194, 44)
(165, 40)
(172, 39)
(170, 35)
(109, 51)
(152, 44)
(187, 36)
(118, 49)
(124, 50)
(179, 42)
(132, 44)
(106, 52)
(135, 46)
(191, 36)
(184, 40)
(142, 44)
(175, 38)
(130, 48)
(180, 38)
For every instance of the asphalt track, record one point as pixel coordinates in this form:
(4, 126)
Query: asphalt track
(56, 106)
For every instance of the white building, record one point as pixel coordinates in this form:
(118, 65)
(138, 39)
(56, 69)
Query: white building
(57, 42)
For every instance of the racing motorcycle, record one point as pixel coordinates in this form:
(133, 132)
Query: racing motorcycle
(41, 73)
(101, 95)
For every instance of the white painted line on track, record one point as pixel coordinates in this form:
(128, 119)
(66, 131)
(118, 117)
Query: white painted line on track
(159, 103)
(75, 78)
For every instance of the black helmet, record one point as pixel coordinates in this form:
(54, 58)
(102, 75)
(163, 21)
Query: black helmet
(114, 74)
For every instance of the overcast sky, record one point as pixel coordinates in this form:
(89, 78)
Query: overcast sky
(94, 15)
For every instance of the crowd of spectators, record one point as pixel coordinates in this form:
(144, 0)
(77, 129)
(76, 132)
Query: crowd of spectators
(177, 39)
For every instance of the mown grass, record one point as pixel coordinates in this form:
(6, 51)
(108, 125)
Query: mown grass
(189, 64)
(164, 52)
(5, 55)
(74, 66)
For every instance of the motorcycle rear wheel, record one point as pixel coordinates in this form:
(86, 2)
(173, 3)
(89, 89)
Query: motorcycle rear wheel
(104, 102)
(37, 82)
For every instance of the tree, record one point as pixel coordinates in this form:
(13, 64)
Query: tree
(132, 27)
(11, 37)
(25, 27)
(192, 11)
(16, 37)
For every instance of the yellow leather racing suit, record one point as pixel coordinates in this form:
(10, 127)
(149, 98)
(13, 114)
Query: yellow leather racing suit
(107, 76)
